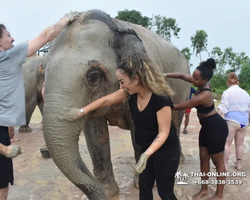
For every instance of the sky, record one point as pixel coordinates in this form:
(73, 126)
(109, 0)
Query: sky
(227, 22)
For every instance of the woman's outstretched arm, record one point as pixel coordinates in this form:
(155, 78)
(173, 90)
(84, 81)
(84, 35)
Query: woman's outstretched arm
(108, 100)
(72, 114)
(177, 75)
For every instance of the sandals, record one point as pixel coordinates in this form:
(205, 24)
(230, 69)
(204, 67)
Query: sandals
(185, 132)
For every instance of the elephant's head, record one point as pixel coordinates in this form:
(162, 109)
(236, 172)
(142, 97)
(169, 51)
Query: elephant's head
(80, 68)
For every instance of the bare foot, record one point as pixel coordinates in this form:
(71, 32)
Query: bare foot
(14, 140)
(215, 198)
(238, 167)
(200, 194)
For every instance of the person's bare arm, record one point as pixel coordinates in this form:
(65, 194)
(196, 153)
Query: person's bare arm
(49, 34)
(185, 77)
(10, 151)
(193, 102)
(164, 123)
(220, 113)
(72, 114)
(108, 100)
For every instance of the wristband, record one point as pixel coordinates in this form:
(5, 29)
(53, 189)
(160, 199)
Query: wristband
(82, 111)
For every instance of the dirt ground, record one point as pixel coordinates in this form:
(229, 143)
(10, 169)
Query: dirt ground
(37, 178)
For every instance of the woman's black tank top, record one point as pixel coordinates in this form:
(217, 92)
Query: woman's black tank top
(202, 109)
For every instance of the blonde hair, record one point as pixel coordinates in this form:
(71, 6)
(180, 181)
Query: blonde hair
(150, 78)
(232, 79)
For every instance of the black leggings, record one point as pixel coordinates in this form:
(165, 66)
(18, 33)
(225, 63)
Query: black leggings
(6, 167)
(161, 166)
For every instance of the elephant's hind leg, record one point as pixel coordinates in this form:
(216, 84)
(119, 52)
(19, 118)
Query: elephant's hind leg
(97, 138)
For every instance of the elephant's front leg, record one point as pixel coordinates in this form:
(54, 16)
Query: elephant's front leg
(97, 139)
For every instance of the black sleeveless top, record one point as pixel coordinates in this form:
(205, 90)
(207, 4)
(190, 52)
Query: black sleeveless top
(146, 124)
(202, 109)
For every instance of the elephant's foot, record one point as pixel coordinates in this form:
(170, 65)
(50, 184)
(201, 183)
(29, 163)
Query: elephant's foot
(24, 129)
(182, 158)
(111, 189)
(136, 181)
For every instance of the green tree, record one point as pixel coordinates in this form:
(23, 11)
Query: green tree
(217, 55)
(245, 74)
(133, 16)
(187, 53)
(228, 59)
(235, 61)
(199, 42)
(165, 27)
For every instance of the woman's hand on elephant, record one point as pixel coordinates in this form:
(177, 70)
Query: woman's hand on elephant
(141, 165)
(72, 16)
(71, 114)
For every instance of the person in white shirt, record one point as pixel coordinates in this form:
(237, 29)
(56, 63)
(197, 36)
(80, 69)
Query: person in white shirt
(235, 105)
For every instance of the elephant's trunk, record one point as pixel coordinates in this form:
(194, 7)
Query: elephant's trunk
(62, 141)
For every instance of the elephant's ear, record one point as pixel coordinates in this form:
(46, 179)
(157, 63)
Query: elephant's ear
(127, 42)
(127, 30)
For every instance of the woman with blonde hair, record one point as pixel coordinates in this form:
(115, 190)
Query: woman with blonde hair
(150, 105)
(235, 105)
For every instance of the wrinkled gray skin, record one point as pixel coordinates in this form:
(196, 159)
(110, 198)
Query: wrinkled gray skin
(33, 76)
(80, 68)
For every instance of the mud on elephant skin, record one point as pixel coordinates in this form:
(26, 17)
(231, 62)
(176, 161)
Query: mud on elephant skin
(33, 75)
(80, 68)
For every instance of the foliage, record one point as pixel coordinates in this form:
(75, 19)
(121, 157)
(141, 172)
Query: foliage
(133, 16)
(187, 53)
(234, 60)
(244, 75)
(217, 55)
(228, 59)
(219, 80)
(165, 27)
(199, 42)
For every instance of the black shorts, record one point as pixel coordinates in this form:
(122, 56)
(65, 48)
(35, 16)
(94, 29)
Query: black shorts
(213, 133)
(6, 166)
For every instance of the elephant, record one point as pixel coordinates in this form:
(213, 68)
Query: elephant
(80, 68)
(33, 75)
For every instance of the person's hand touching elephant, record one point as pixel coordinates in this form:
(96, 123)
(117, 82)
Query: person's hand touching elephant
(72, 16)
(71, 114)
